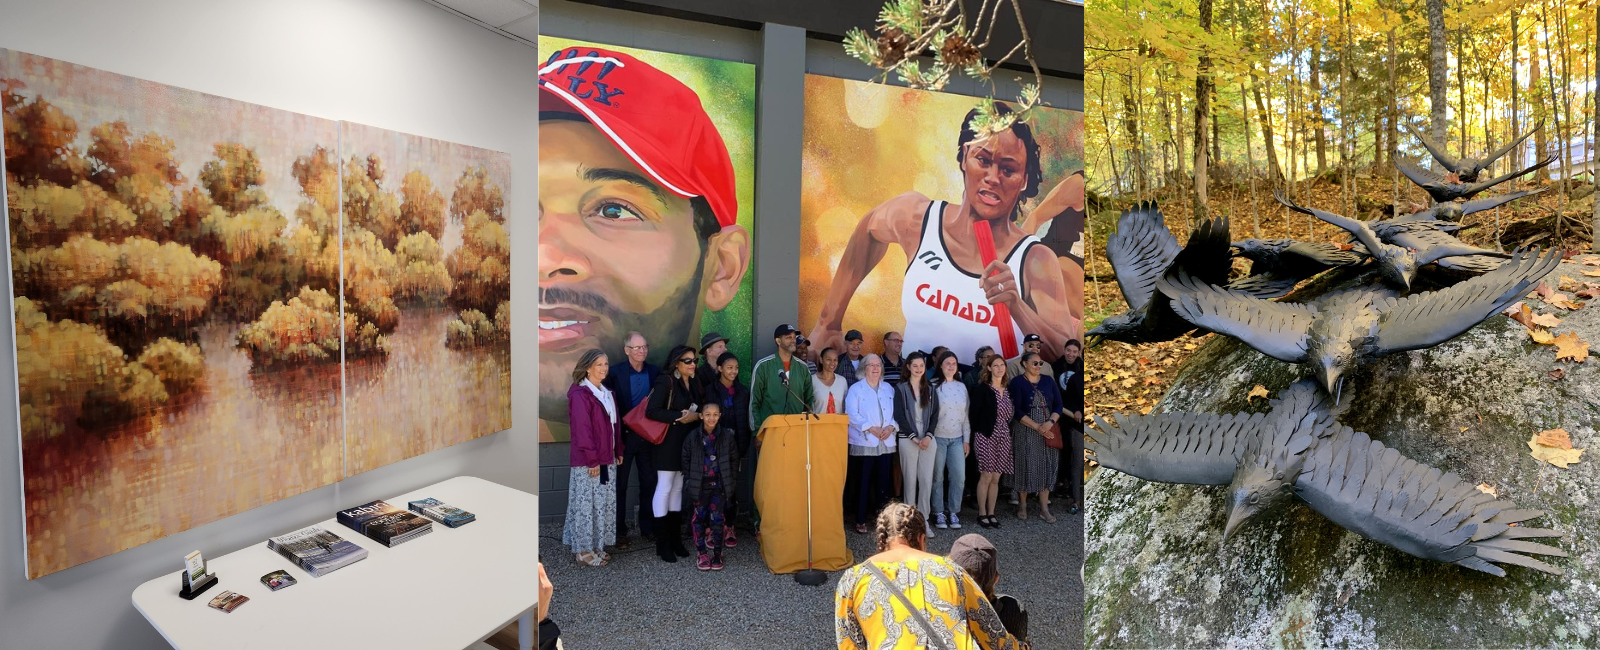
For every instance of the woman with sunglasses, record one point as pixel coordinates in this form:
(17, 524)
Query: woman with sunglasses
(675, 400)
(1037, 404)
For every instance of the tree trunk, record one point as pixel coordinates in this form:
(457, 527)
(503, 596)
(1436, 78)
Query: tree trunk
(1202, 115)
(1273, 168)
(1438, 82)
(1594, 160)
(1462, 88)
(1316, 104)
(1541, 139)
(1394, 129)
(1130, 123)
(1250, 159)
(1516, 85)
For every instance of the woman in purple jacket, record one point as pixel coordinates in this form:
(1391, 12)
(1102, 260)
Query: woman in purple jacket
(596, 451)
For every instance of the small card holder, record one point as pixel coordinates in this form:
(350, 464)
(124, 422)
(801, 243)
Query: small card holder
(189, 591)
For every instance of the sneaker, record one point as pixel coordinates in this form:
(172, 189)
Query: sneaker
(939, 520)
(704, 562)
(1014, 500)
(930, 532)
(730, 540)
(716, 564)
(955, 522)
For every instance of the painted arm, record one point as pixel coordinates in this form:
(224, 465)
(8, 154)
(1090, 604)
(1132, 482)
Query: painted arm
(1045, 310)
(883, 225)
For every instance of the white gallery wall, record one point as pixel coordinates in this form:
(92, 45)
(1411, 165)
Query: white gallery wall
(404, 65)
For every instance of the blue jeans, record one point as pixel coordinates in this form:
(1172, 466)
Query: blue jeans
(949, 461)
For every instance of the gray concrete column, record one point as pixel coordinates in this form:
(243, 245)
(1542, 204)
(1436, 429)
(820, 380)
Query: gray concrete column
(780, 106)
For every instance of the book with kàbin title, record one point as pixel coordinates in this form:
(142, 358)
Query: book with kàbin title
(448, 515)
(385, 523)
(317, 551)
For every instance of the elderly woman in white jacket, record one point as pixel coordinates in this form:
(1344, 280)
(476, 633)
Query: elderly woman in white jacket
(870, 406)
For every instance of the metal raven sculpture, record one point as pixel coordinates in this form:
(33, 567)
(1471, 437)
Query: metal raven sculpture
(1443, 190)
(1343, 329)
(1140, 251)
(1467, 169)
(1277, 265)
(1297, 448)
(1399, 264)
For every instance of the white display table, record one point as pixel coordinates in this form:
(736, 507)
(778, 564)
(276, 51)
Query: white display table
(446, 590)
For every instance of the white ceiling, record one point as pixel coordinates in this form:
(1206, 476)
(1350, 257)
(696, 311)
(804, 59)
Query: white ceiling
(515, 18)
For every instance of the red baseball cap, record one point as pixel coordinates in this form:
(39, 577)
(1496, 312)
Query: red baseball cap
(652, 117)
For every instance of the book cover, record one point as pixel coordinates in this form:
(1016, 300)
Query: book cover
(448, 515)
(396, 528)
(228, 601)
(316, 550)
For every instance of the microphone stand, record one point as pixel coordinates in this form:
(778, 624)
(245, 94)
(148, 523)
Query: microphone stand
(809, 576)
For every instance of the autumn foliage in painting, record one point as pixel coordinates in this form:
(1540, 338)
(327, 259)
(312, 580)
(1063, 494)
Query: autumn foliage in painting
(118, 258)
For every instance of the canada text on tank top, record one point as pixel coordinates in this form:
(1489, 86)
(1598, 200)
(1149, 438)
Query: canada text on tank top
(944, 304)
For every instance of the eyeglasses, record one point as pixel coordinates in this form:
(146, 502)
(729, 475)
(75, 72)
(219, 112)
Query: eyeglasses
(894, 340)
(1036, 364)
(636, 347)
(687, 361)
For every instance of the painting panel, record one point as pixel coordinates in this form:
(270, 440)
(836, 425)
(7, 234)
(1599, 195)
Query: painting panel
(174, 269)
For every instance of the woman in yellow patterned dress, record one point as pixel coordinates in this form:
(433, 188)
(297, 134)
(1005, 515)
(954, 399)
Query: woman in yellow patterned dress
(931, 604)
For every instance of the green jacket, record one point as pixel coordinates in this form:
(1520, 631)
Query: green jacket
(767, 394)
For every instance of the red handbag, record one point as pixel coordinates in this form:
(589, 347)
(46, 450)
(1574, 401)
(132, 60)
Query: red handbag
(644, 427)
(1055, 441)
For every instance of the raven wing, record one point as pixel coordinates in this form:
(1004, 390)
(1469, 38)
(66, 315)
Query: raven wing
(1192, 448)
(1439, 152)
(1383, 496)
(1357, 227)
(1427, 319)
(1467, 191)
(1140, 251)
(1266, 285)
(1423, 239)
(1489, 203)
(1424, 179)
(1489, 160)
(1276, 329)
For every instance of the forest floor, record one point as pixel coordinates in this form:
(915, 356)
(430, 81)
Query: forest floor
(1122, 377)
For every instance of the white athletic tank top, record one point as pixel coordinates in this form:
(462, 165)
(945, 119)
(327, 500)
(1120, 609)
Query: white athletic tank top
(943, 304)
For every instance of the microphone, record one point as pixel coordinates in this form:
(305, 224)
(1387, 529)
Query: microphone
(805, 409)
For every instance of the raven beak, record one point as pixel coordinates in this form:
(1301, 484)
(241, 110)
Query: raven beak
(1330, 379)
(1093, 339)
(1236, 518)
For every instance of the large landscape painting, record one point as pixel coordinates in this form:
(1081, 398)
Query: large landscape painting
(180, 334)
(427, 294)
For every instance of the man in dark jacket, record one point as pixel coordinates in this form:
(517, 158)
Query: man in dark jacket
(850, 358)
(712, 345)
(1069, 376)
(631, 383)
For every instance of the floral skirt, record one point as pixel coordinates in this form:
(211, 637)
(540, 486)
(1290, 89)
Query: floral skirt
(591, 511)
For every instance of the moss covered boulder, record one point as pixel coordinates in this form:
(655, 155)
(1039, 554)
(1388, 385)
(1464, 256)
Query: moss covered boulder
(1158, 575)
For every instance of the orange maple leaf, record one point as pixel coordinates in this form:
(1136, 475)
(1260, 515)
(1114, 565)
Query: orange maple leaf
(1546, 320)
(1569, 346)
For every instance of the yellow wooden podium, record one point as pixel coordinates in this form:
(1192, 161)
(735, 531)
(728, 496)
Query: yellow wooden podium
(780, 492)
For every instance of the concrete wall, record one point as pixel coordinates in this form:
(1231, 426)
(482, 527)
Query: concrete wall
(783, 56)
(403, 65)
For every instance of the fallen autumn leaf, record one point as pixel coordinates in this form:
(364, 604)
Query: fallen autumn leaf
(1258, 391)
(1570, 346)
(1488, 489)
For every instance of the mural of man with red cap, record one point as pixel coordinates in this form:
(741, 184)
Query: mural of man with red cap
(637, 213)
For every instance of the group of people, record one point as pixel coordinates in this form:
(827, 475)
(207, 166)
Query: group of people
(919, 424)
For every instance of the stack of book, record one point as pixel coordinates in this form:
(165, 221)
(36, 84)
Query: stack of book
(316, 550)
(385, 523)
(448, 515)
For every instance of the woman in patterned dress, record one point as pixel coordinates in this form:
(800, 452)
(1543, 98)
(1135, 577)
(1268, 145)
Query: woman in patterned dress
(1038, 406)
(991, 432)
(950, 608)
(595, 453)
